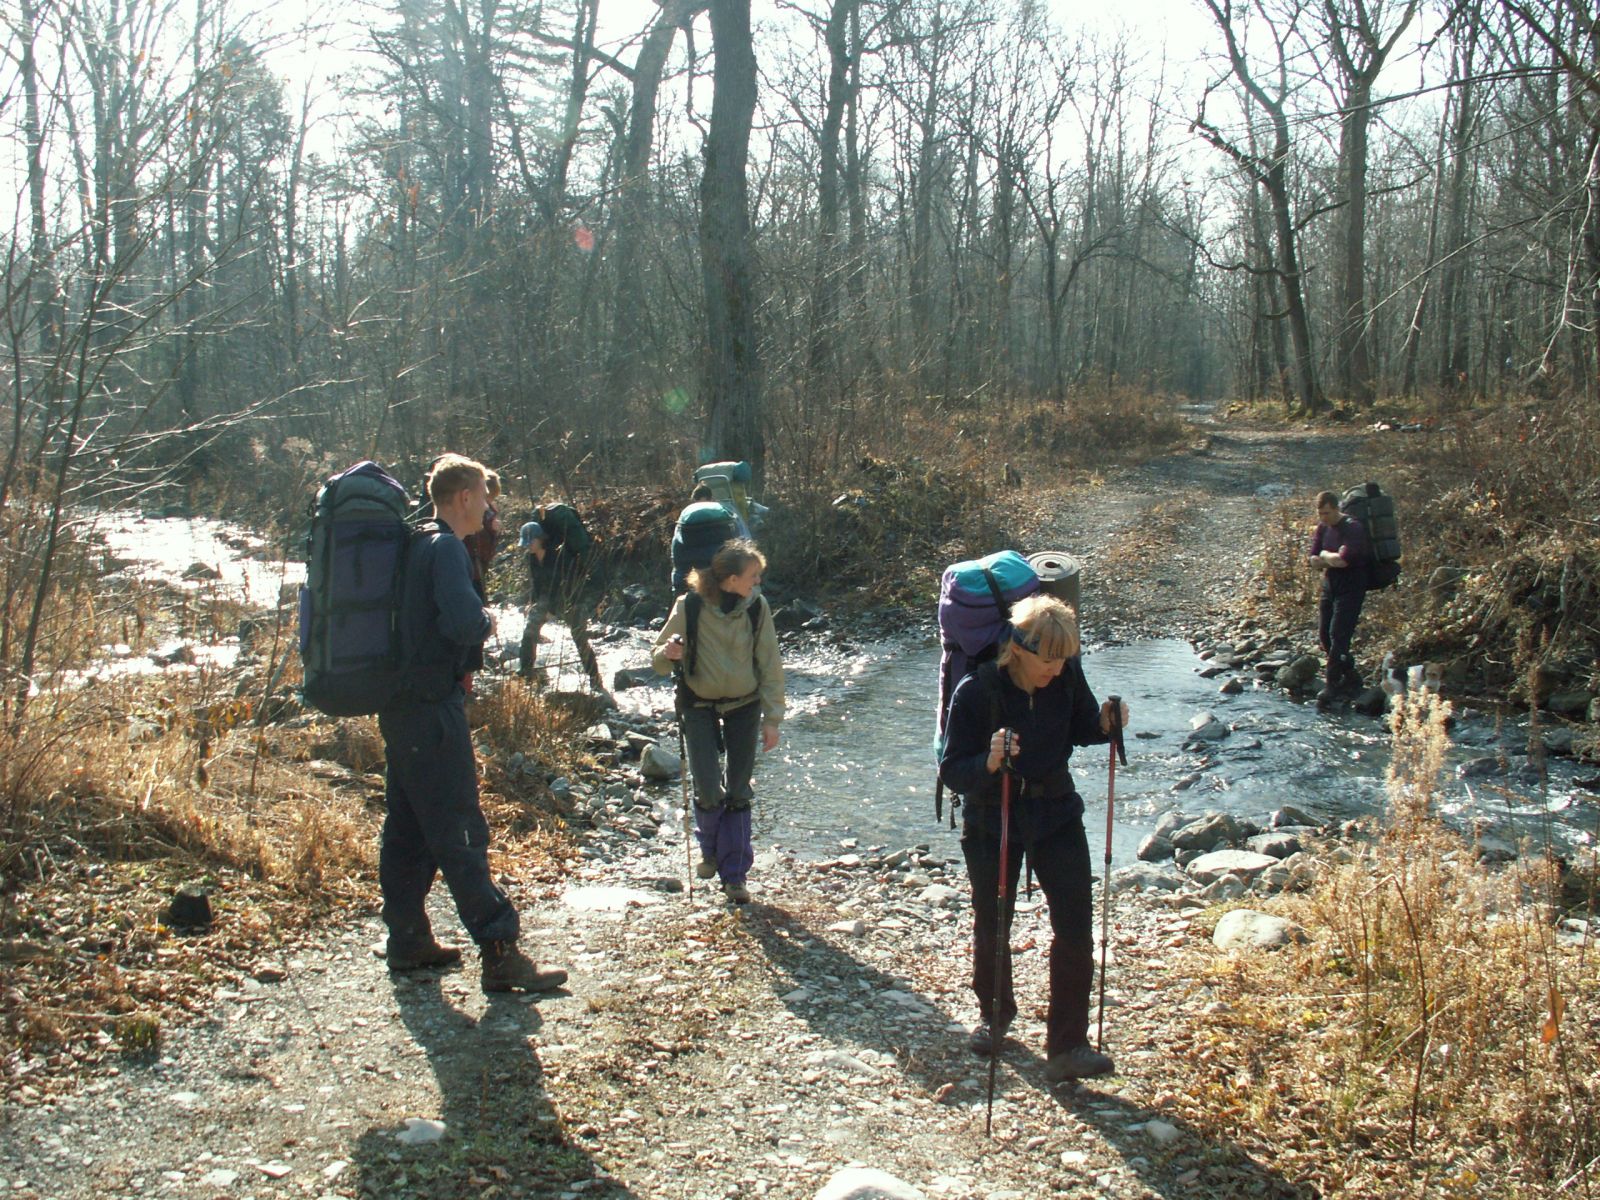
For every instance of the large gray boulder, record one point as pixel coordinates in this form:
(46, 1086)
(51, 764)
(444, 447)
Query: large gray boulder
(1154, 849)
(1244, 863)
(1274, 845)
(1299, 673)
(1207, 833)
(657, 762)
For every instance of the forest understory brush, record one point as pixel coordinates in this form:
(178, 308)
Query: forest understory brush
(1431, 1025)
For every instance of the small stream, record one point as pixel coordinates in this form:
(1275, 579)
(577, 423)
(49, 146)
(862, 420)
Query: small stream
(855, 767)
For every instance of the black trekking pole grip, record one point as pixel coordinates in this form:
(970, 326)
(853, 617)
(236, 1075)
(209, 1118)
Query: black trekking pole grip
(1116, 728)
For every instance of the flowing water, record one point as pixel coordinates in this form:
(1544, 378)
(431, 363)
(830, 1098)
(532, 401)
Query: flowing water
(854, 769)
(855, 765)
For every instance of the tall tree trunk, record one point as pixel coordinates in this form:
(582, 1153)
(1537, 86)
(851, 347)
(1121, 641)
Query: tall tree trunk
(733, 362)
(828, 266)
(1354, 355)
(633, 192)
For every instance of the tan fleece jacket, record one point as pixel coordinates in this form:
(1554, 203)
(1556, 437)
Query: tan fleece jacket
(725, 668)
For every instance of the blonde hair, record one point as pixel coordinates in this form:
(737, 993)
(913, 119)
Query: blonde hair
(734, 558)
(1048, 624)
(452, 473)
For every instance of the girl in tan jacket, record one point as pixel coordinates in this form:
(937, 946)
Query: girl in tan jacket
(720, 643)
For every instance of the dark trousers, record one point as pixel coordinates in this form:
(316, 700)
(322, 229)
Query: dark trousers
(1336, 625)
(436, 826)
(1061, 866)
(722, 799)
(577, 622)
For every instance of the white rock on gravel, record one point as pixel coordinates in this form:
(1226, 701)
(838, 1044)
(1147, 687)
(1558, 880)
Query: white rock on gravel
(607, 899)
(867, 1183)
(838, 1060)
(420, 1131)
(939, 895)
(1247, 929)
(1162, 1133)
(849, 928)
(221, 1177)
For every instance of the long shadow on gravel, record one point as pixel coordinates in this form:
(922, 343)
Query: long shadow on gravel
(888, 1015)
(502, 1135)
(1192, 1165)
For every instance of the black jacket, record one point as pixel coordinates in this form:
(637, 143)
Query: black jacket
(1049, 723)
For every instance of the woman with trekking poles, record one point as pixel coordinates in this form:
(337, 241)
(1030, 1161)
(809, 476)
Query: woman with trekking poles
(720, 644)
(1012, 726)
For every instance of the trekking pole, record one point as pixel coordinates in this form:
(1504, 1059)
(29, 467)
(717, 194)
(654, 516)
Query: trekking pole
(1105, 880)
(1000, 939)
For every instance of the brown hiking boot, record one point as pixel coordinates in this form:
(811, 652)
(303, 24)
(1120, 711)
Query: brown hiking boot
(507, 969)
(415, 954)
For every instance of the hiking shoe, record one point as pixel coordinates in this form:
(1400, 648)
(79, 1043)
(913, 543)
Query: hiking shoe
(706, 868)
(737, 892)
(1080, 1062)
(407, 954)
(1325, 699)
(507, 969)
(983, 1042)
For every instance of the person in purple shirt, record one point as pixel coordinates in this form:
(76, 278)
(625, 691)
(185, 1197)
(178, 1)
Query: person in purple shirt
(1339, 551)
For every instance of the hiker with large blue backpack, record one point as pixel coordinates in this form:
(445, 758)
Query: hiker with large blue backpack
(390, 623)
(1006, 742)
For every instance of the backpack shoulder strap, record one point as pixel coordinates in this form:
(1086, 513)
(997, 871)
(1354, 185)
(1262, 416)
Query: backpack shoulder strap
(691, 629)
(999, 596)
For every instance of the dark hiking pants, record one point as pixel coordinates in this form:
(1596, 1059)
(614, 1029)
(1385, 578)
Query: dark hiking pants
(435, 825)
(1336, 625)
(722, 800)
(1061, 867)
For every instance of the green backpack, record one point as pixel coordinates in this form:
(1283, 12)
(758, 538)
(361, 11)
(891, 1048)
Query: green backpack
(563, 527)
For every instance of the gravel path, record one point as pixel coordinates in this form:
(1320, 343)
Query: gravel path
(703, 1051)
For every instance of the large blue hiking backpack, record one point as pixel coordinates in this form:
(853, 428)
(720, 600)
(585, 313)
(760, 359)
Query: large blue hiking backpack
(701, 530)
(350, 604)
(975, 601)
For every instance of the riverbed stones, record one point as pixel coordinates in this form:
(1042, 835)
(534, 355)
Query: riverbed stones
(1210, 831)
(1290, 815)
(1147, 878)
(1154, 849)
(1298, 673)
(1245, 863)
(1246, 929)
(1206, 727)
(1274, 845)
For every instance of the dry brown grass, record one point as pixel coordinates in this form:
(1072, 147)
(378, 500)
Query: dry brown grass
(1432, 1028)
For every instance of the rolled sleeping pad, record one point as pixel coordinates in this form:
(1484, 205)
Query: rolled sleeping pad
(1058, 574)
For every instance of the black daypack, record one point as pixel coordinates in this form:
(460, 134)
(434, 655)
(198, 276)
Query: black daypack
(350, 604)
(1369, 504)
